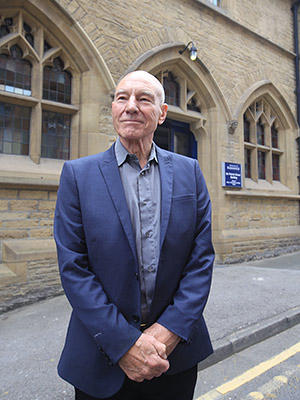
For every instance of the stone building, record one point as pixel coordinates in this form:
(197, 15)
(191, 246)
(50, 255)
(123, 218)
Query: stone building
(234, 108)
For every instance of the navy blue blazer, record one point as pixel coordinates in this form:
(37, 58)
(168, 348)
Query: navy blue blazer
(100, 274)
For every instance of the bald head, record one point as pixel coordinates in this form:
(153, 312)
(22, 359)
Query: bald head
(145, 76)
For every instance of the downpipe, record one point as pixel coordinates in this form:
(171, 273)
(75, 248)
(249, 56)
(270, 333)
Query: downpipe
(295, 9)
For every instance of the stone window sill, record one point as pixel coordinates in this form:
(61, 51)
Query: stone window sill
(21, 170)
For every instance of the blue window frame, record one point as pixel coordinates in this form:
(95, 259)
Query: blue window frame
(176, 136)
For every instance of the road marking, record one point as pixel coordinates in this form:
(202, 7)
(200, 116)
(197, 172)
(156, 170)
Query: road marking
(256, 396)
(250, 374)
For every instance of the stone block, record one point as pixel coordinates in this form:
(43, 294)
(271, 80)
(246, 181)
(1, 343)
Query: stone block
(47, 205)
(41, 233)
(28, 250)
(8, 194)
(52, 195)
(7, 216)
(4, 205)
(13, 234)
(33, 194)
(23, 205)
(11, 273)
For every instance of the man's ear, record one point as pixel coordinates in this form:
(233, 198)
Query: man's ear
(163, 113)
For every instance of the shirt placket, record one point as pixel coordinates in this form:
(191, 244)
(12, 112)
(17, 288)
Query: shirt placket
(147, 229)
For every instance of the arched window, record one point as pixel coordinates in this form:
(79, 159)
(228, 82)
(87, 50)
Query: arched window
(172, 89)
(15, 72)
(183, 100)
(35, 91)
(57, 82)
(262, 138)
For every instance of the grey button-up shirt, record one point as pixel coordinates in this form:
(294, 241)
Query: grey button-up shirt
(143, 195)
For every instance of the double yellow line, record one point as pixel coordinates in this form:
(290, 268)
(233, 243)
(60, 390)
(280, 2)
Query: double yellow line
(250, 374)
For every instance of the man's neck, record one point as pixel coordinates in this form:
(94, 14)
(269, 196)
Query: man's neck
(140, 148)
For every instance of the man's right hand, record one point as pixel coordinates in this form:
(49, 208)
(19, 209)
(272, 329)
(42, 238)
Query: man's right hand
(146, 359)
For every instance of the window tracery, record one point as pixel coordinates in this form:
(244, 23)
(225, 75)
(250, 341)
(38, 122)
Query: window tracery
(262, 142)
(36, 78)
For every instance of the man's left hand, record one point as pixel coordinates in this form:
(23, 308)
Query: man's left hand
(164, 335)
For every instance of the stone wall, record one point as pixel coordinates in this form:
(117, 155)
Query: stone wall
(26, 213)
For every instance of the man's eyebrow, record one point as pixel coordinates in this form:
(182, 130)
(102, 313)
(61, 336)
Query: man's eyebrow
(120, 91)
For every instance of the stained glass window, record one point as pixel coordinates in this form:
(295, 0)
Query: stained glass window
(56, 129)
(172, 90)
(275, 167)
(192, 105)
(14, 129)
(28, 34)
(247, 163)
(15, 72)
(4, 28)
(261, 159)
(274, 135)
(260, 129)
(57, 83)
(47, 46)
(246, 129)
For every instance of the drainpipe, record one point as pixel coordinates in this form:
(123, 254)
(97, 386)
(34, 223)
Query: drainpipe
(295, 9)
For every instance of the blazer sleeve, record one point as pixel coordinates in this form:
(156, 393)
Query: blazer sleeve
(183, 315)
(112, 333)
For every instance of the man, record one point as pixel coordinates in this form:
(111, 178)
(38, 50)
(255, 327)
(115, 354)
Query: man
(133, 234)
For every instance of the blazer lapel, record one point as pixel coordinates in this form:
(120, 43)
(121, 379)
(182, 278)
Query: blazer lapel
(109, 169)
(166, 176)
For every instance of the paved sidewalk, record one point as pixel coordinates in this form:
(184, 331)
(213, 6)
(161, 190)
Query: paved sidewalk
(248, 303)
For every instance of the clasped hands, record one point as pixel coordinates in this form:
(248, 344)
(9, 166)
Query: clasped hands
(148, 357)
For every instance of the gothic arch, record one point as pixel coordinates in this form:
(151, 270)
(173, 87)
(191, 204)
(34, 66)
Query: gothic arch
(215, 113)
(92, 81)
(264, 92)
(267, 90)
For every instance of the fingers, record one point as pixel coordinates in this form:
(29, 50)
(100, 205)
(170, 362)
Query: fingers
(146, 359)
(163, 335)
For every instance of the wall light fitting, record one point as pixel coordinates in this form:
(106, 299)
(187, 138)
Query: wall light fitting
(192, 50)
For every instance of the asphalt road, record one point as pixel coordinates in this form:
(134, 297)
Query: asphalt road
(268, 370)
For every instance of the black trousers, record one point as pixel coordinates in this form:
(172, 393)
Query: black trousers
(167, 387)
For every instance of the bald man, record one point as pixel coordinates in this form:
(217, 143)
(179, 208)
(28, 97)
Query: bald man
(133, 234)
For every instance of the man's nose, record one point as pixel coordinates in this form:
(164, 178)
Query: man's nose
(131, 105)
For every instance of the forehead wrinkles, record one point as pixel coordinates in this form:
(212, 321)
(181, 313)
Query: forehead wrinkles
(131, 84)
(136, 92)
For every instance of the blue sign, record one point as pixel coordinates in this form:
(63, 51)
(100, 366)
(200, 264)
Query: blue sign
(231, 175)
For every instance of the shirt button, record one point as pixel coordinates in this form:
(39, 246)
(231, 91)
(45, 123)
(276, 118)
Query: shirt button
(148, 234)
(143, 173)
(150, 269)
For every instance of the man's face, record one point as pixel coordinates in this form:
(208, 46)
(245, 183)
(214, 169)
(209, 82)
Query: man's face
(137, 108)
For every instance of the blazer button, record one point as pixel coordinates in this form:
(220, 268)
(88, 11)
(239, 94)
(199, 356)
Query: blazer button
(136, 319)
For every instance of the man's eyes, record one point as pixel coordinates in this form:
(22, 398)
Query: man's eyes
(121, 98)
(138, 99)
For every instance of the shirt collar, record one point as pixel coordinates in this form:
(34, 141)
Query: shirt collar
(122, 154)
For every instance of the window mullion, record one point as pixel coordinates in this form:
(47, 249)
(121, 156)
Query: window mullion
(254, 165)
(35, 133)
(269, 174)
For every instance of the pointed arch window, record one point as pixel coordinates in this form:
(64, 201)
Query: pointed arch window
(172, 89)
(185, 113)
(36, 79)
(15, 72)
(57, 82)
(262, 142)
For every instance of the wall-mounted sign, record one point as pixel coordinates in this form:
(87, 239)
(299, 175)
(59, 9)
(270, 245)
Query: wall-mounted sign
(232, 175)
